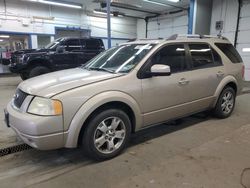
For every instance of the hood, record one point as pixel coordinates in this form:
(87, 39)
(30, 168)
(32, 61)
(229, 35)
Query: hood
(48, 85)
(29, 51)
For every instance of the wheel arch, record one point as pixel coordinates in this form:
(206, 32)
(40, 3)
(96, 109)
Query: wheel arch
(227, 81)
(100, 102)
(38, 62)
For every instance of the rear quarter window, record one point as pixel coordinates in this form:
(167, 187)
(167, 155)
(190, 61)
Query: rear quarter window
(93, 44)
(230, 52)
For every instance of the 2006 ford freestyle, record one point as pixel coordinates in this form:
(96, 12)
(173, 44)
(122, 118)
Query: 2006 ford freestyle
(125, 89)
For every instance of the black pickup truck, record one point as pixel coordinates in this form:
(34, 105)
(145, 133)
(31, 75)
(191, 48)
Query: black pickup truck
(63, 53)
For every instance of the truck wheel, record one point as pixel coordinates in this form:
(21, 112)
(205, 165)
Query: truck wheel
(24, 76)
(39, 70)
(225, 104)
(107, 134)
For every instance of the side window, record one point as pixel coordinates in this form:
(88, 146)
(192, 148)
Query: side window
(72, 45)
(173, 56)
(230, 52)
(82, 42)
(217, 58)
(201, 56)
(92, 44)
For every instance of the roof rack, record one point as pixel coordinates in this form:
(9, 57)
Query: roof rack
(195, 36)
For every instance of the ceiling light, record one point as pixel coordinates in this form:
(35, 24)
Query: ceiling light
(1, 40)
(245, 49)
(57, 3)
(157, 3)
(103, 12)
(99, 12)
(174, 1)
(4, 36)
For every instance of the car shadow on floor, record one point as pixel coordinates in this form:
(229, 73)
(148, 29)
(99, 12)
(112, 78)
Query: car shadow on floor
(167, 128)
(139, 137)
(68, 157)
(61, 161)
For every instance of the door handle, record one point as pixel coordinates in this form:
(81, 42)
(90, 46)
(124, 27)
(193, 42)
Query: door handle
(183, 81)
(220, 74)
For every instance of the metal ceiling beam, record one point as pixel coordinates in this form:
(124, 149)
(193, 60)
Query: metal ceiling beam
(118, 5)
(171, 5)
(108, 23)
(238, 23)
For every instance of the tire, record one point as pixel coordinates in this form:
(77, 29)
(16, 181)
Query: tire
(225, 104)
(101, 140)
(39, 70)
(24, 76)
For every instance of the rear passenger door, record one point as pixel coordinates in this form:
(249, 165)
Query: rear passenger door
(206, 73)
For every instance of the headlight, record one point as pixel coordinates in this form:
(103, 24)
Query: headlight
(45, 107)
(20, 59)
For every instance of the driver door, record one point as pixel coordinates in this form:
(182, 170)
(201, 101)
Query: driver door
(163, 96)
(69, 57)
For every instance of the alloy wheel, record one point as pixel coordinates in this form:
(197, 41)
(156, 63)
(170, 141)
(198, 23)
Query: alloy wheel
(109, 135)
(227, 102)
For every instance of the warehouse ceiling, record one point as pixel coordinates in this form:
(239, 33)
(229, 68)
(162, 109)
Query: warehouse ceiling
(137, 8)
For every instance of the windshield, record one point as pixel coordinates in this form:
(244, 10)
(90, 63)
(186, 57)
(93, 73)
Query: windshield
(53, 44)
(121, 59)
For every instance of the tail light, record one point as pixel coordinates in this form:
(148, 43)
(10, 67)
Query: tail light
(243, 71)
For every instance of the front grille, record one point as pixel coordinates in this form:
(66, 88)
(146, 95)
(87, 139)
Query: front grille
(19, 97)
(14, 59)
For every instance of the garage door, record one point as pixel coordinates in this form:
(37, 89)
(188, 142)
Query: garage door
(244, 37)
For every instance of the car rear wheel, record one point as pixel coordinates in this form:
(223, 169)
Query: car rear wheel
(39, 70)
(225, 104)
(107, 134)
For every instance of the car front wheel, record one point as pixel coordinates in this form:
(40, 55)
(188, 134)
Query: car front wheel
(107, 134)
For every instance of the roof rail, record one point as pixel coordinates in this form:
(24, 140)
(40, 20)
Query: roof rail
(197, 36)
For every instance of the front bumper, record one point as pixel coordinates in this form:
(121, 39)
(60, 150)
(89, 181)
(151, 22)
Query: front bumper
(16, 67)
(41, 132)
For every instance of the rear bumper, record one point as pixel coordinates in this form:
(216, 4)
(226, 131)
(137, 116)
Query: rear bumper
(43, 133)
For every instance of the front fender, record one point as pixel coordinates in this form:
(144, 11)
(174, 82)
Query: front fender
(221, 86)
(71, 136)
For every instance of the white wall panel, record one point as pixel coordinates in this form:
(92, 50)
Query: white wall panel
(141, 29)
(17, 10)
(244, 23)
(227, 11)
(166, 26)
(244, 36)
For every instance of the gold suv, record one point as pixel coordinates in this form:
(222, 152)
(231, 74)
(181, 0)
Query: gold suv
(125, 89)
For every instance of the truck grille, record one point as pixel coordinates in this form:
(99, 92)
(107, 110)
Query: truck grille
(19, 97)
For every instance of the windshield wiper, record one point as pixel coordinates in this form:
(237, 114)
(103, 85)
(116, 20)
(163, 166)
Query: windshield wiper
(101, 69)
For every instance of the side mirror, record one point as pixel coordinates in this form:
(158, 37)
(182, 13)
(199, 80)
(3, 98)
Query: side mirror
(160, 70)
(60, 49)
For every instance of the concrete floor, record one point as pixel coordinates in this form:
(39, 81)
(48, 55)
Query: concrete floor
(200, 152)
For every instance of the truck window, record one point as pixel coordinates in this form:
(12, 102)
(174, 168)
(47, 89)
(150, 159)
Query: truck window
(72, 45)
(92, 44)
